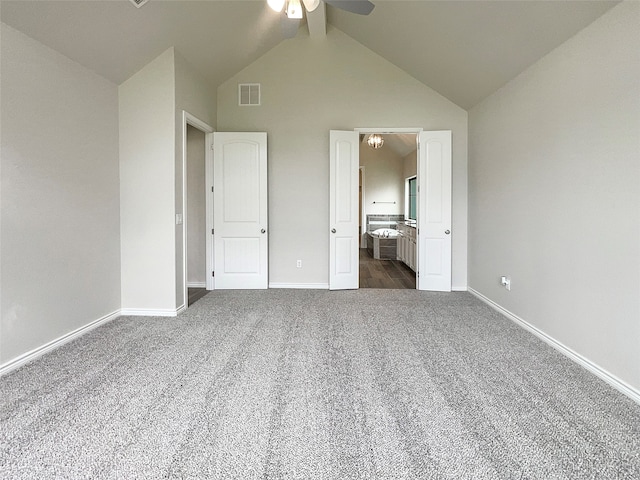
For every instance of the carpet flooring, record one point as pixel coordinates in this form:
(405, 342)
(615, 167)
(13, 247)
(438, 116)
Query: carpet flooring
(312, 384)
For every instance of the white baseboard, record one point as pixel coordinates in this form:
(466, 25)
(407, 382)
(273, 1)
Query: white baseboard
(196, 285)
(58, 342)
(325, 286)
(611, 379)
(143, 312)
(308, 286)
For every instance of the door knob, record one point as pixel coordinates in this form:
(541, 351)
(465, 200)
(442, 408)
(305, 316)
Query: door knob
(262, 231)
(333, 230)
(447, 232)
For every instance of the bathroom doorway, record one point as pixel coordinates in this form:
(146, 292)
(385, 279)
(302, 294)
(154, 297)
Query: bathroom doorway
(433, 207)
(387, 210)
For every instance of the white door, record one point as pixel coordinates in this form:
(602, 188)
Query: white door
(240, 210)
(344, 163)
(434, 211)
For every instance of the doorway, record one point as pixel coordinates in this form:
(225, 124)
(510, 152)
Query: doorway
(195, 212)
(433, 205)
(385, 206)
(195, 204)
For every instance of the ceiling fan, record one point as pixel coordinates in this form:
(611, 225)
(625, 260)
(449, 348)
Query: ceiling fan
(294, 11)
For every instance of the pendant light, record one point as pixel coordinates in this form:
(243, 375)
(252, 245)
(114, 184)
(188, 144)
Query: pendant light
(375, 141)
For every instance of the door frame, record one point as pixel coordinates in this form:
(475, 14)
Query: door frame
(195, 122)
(391, 131)
(363, 216)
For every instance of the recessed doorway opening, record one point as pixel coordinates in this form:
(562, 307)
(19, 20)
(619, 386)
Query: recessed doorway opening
(433, 208)
(196, 251)
(387, 210)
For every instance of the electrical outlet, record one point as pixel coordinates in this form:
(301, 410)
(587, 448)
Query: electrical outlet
(298, 263)
(505, 281)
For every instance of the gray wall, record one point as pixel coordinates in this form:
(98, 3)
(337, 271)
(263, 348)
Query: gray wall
(147, 188)
(151, 106)
(554, 196)
(309, 88)
(195, 96)
(60, 250)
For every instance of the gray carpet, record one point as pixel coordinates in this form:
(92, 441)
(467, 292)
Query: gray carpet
(284, 384)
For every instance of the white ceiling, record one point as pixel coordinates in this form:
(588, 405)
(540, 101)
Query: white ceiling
(464, 50)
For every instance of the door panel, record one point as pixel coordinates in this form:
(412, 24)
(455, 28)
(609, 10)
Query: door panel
(434, 212)
(240, 210)
(343, 210)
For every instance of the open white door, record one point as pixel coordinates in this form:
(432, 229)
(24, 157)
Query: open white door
(434, 211)
(344, 236)
(208, 175)
(240, 210)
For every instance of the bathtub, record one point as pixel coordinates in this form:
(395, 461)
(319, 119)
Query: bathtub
(382, 244)
(385, 233)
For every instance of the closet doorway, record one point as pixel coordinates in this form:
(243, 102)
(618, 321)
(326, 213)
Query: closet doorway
(195, 213)
(196, 136)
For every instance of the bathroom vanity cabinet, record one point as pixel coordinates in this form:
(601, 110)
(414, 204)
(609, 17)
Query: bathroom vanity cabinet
(407, 245)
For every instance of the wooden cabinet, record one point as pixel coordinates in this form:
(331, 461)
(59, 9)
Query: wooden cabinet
(407, 245)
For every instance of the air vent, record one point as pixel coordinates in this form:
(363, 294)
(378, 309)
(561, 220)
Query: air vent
(138, 3)
(249, 94)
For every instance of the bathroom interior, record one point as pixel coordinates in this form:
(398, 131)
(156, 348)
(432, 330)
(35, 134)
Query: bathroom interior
(388, 201)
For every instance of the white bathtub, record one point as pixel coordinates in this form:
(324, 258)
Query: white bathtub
(382, 243)
(385, 233)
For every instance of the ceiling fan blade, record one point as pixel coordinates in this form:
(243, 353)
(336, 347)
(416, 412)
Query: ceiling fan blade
(361, 7)
(289, 26)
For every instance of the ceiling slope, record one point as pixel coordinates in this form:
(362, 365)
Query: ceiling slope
(465, 50)
(115, 39)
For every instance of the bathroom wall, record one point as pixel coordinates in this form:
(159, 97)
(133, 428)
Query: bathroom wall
(383, 180)
(410, 164)
(376, 221)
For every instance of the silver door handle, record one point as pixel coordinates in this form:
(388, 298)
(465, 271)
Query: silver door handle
(447, 232)
(262, 231)
(333, 230)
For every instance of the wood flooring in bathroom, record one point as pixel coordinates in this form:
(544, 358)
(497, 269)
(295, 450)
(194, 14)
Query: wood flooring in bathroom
(385, 273)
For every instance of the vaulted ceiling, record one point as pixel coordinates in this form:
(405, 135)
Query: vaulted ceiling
(465, 50)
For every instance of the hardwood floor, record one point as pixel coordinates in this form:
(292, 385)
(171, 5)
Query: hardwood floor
(196, 294)
(384, 273)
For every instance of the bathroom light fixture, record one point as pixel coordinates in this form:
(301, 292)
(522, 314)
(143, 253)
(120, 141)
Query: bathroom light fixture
(375, 141)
